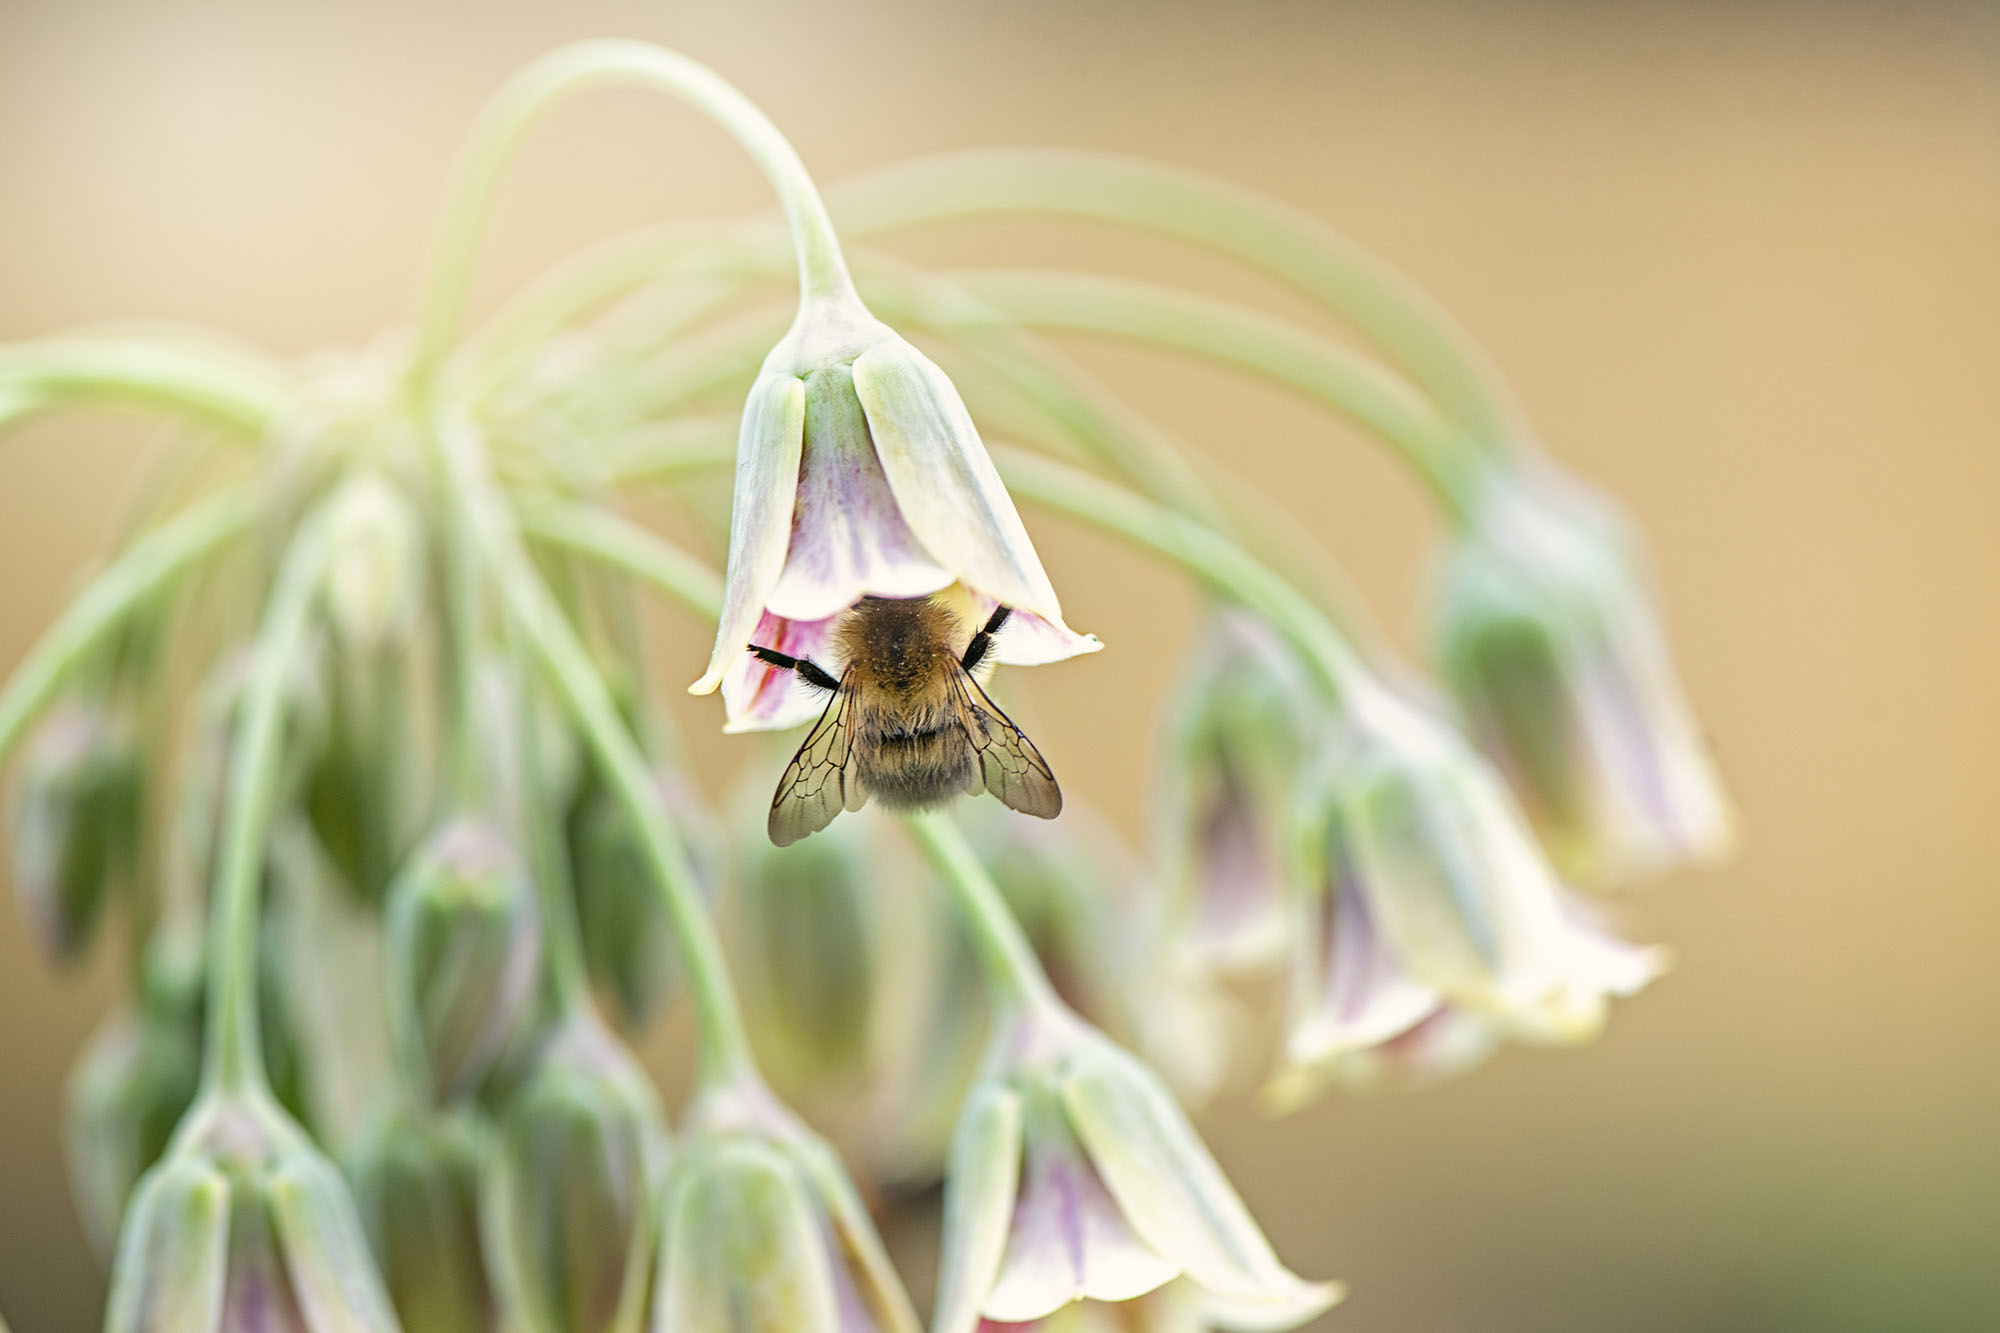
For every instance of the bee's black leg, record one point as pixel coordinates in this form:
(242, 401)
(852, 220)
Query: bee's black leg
(806, 671)
(982, 642)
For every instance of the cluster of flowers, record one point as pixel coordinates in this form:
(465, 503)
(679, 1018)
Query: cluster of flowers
(428, 846)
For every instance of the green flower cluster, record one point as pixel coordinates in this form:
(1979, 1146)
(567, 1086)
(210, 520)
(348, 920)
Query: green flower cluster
(357, 733)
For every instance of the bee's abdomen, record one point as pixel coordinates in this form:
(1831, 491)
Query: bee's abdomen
(910, 769)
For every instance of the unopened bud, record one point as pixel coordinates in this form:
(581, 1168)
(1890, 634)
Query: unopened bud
(375, 575)
(134, 1081)
(464, 941)
(416, 1186)
(74, 818)
(570, 1205)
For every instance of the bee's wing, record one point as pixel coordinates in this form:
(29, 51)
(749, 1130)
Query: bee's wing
(816, 785)
(1009, 764)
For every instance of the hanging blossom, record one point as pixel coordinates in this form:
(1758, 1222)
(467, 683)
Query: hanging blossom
(1427, 923)
(1546, 631)
(859, 473)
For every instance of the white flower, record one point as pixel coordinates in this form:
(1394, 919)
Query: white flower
(859, 472)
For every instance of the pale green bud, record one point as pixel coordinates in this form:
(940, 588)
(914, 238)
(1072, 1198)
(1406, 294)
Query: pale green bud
(764, 1232)
(135, 1079)
(568, 1212)
(74, 817)
(416, 1187)
(1547, 632)
(243, 1225)
(375, 568)
(464, 945)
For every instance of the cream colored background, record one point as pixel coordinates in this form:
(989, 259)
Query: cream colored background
(1741, 261)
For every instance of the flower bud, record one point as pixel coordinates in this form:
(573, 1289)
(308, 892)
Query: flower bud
(1238, 735)
(1546, 630)
(628, 942)
(243, 1225)
(764, 1232)
(1076, 1176)
(803, 942)
(464, 943)
(416, 1187)
(135, 1079)
(374, 572)
(1427, 923)
(569, 1207)
(74, 816)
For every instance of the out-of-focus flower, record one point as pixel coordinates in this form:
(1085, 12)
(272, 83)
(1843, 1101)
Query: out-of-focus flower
(416, 1187)
(628, 942)
(243, 1225)
(764, 1233)
(375, 572)
(1076, 1176)
(464, 943)
(1239, 732)
(1547, 632)
(133, 1082)
(74, 820)
(859, 472)
(568, 1213)
(801, 935)
(1427, 923)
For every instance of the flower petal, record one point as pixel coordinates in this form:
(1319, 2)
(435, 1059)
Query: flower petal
(1364, 997)
(1170, 1189)
(333, 1276)
(945, 485)
(172, 1255)
(979, 1194)
(1028, 639)
(743, 1250)
(1069, 1240)
(757, 696)
(760, 526)
(848, 536)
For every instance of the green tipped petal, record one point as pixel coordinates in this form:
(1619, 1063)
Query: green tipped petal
(768, 451)
(979, 1197)
(743, 1253)
(333, 1277)
(173, 1254)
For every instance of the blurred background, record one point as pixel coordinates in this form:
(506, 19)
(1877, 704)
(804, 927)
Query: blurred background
(1741, 261)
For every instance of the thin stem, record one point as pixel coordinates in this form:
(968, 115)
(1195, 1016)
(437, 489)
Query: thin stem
(1383, 304)
(725, 1049)
(221, 385)
(595, 531)
(1203, 552)
(822, 271)
(1251, 341)
(1013, 972)
(562, 942)
(233, 1062)
(148, 565)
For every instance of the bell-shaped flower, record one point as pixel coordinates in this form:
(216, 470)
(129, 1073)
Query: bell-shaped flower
(764, 1232)
(73, 816)
(859, 472)
(568, 1212)
(1427, 925)
(1547, 632)
(416, 1187)
(463, 950)
(1075, 1176)
(244, 1225)
(1237, 737)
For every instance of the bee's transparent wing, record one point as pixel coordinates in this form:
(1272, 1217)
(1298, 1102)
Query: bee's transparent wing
(816, 785)
(1009, 764)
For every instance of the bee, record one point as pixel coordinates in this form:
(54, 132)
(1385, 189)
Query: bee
(905, 722)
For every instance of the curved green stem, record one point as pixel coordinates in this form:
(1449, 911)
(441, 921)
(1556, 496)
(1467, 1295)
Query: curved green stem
(597, 532)
(1013, 972)
(725, 1049)
(1384, 305)
(149, 564)
(225, 387)
(1202, 551)
(1246, 340)
(233, 1062)
(822, 271)
(562, 937)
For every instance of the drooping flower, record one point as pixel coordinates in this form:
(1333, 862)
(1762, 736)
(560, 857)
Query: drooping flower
(1075, 1176)
(416, 1188)
(1426, 923)
(1238, 735)
(764, 1233)
(74, 820)
(244, 1225)
(859, 472)
(135, 1079)
(1547, 632)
